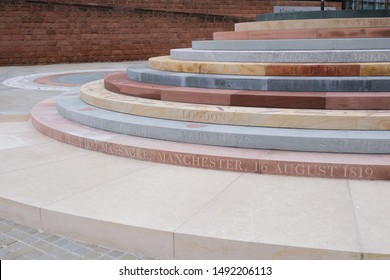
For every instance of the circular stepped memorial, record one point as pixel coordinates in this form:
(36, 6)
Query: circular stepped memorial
(296, 106)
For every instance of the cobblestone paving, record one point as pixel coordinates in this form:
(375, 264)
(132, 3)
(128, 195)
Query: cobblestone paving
(19, 242)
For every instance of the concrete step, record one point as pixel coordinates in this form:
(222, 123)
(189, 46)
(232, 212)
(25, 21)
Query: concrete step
(119, 83)
(165, 63)
(283, 56)
(306, 140)
(294, 44)
(95, 94)
(142, 73)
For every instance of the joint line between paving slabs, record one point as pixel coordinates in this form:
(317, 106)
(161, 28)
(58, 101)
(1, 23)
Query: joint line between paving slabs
(98, 185)
(359, 237)
(206, 205)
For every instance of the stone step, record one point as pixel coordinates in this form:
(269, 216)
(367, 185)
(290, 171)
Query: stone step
(314, 23)
(46, 119)
(144, 74)
(166, 63)
(309, 33)
(95, 94)
(323, 15)
(71, 107)
(294, 44)
(119, 83)
(283, 56)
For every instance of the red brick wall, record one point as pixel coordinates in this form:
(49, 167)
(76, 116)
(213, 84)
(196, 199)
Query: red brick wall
(54, 31)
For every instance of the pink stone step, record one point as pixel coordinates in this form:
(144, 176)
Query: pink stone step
(314, 33)
(119, 83)
(46, 119)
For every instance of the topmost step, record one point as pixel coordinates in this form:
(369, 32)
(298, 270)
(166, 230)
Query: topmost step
(324, 15)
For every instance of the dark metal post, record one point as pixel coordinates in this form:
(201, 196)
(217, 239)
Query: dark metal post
(386, 4)
(322, 5)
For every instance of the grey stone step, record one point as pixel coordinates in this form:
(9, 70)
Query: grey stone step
(142, 73)
(71, 107)
(283, 56)
(324, 15)
(294, 44)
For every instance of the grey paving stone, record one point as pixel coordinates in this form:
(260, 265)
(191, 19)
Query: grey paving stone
(128, 257)
(308, 140)
(4, 228)
(34, 254)
(71, 246)
(82, 251)
(93, 255)
(115, 254)
(19, 235)
(69, 256)
(58, 252)
(30, 239)
(105, 257)
(62, 242)
(15, 246)
(3, 251)
(102, 250)
(40, 244)
(42, 235)
(12, 255)
(33, 247)
(8, 241)
(52, 238)
(47, 257)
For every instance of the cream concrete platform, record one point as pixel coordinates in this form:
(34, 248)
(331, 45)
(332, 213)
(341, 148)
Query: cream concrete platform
(184, 213)
(95, 94)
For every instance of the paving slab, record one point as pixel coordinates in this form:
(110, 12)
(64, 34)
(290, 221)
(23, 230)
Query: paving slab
(327, 223)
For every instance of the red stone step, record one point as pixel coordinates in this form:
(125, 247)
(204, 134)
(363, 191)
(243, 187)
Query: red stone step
(119, 83)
